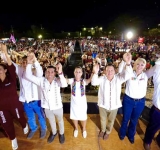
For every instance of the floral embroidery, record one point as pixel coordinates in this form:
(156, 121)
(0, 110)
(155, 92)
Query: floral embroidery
(74, 87)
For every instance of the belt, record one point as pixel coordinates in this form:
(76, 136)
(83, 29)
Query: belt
(156, 108)
(134, 99)
(31, 102)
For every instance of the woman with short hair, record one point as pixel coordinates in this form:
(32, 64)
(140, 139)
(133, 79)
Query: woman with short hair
(134, 99)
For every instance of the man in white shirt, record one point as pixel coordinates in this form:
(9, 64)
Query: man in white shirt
(50, 95)
(109, 93)
(29, 96)
(154, 122)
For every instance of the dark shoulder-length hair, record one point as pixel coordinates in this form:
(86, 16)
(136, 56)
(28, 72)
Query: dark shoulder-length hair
(3, 65)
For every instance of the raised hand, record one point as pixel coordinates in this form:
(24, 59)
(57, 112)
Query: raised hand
(3, 48)
(96, 68)
(31, 58)
(59, 68)
(127, 57)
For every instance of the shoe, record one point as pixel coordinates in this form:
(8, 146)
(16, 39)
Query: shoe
(101, 134)
(131, 141)
(84, 134)
(158, 141)
(43, 134)
(51, 137)
(61, 138)
(30, 134)
(146, 146)
(121, 137)
(26, 130)
(75, 133)
(106, 136)
(14, 144)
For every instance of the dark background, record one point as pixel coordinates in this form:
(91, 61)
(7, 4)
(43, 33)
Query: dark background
(72, 15)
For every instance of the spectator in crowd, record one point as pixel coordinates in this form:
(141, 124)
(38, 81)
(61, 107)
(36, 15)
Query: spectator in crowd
(10, 106)
(109, 93)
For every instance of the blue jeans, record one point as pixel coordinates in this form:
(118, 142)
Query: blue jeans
(153, 125)
(131, 112)
(32, 109)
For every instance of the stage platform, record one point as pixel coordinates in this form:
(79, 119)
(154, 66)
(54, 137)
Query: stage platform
(92, 142)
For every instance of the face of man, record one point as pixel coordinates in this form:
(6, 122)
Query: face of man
(50, 74)
(24, 63)
(110, 72)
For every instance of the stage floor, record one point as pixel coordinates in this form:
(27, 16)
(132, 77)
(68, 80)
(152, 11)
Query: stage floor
(92, 142)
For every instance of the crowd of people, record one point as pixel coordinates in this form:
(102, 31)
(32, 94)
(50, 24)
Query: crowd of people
(38, 68)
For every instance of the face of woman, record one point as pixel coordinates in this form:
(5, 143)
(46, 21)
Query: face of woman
(139, 66)
(78, 73)
(2, 71)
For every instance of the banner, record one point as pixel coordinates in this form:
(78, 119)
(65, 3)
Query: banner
(140, 40)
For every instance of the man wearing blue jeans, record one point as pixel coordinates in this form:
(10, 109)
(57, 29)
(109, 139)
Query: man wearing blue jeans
(31, 109)
(29, 96)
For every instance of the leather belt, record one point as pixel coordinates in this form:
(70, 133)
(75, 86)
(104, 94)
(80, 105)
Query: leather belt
(134, 99)
(31, 102)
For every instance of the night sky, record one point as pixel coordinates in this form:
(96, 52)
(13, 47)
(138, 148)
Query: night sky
(72, 15)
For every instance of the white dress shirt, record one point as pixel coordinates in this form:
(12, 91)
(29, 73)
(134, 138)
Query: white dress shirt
(109, 91)
(136, 86)
(155, 72)
(28, 90)
(50, 92)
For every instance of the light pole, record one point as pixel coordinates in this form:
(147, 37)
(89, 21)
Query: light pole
(129, 35)
(40, 37)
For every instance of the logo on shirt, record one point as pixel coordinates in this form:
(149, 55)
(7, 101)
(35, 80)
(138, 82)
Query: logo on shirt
(7, 84)
(3, 117)
(133, 78)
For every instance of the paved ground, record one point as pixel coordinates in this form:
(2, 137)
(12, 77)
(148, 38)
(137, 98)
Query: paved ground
(92, 96)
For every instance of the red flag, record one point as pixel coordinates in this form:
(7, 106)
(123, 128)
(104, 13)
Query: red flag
(140, 40)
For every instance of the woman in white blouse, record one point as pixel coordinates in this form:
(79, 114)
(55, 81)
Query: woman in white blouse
(134, 99)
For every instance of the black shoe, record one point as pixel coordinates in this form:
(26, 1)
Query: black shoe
(131, 141)
(61, 138)
(158, 141)
(43, 134)
(146, 146)
(30, 134)
(51, 137)
(120, 137)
